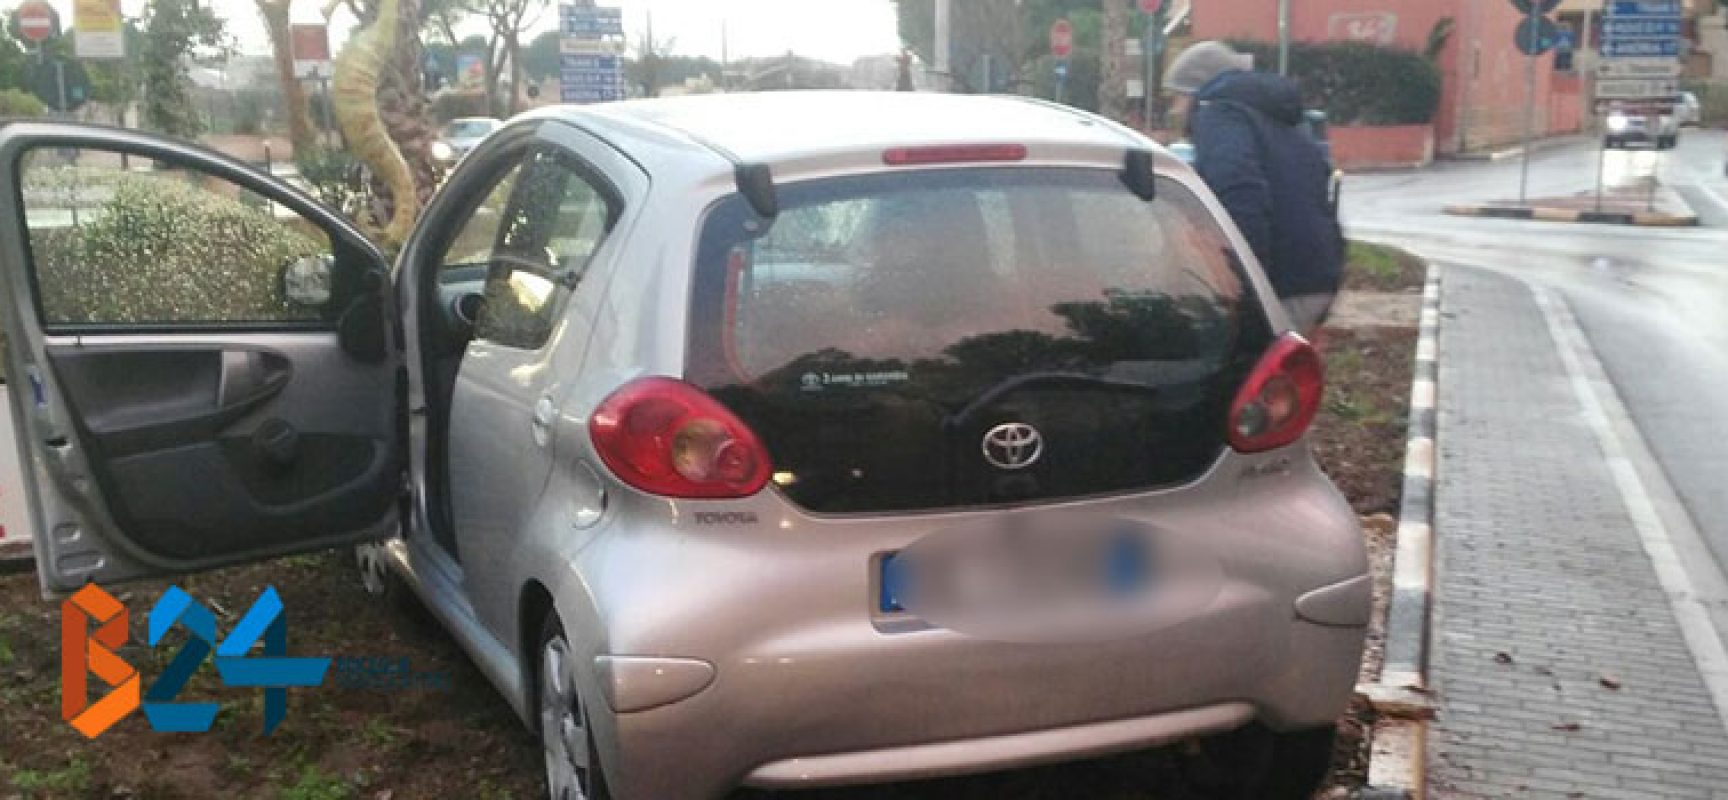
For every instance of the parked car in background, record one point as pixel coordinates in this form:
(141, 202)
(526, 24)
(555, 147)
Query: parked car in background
(1689, 111)
(890, 435)
(461, 136)
(1626, 127)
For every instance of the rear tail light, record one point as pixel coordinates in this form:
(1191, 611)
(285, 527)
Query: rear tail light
(953, 154)
(1278, 402)
(669, 438)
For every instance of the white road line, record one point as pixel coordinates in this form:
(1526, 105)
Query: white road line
(1602, 410)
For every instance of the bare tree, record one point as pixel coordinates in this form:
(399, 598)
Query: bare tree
(508, 20)
(276, 22)
(648, 70)
(1113, 79)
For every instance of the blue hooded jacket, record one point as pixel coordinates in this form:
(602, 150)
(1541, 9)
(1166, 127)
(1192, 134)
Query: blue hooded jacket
(1251, 150)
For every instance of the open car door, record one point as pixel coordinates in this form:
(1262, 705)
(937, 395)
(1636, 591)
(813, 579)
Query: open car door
(202, 358)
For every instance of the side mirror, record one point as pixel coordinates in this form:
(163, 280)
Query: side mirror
(306, 281)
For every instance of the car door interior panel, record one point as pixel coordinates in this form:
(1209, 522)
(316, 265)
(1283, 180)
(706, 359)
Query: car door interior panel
(235, 431)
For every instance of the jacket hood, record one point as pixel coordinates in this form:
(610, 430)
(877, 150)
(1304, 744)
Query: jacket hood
(1273, 95)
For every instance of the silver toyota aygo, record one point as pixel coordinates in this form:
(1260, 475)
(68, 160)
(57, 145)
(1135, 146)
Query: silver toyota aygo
(782, 440)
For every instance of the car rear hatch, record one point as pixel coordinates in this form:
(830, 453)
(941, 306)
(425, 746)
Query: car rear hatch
(971, 337)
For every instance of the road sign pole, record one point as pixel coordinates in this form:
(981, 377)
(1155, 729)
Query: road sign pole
(60, 84)
(1601, 170)
(1283, 37)
(1529, 107)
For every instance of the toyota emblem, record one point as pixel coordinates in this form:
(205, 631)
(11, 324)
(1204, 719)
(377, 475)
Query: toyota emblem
(1013, 445)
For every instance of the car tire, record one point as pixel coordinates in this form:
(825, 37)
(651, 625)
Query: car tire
(1255, 763)
(572, 764)
(1611, 143)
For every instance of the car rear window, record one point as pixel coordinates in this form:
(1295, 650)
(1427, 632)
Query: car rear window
(882, 328)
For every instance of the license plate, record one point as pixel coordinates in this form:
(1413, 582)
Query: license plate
(1116, 566)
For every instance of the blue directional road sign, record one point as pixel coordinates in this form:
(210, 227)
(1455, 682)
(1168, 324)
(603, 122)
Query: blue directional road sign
(1641, 48)
(1641, 27)
(591, 94)
(588, 62)
(1644, 8)
(577, 77)
(586, 21)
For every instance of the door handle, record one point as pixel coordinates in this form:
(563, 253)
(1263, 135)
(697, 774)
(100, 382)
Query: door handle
(545, 413)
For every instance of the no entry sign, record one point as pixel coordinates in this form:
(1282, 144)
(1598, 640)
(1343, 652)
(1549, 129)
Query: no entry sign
(37, 22)
(1062, 39)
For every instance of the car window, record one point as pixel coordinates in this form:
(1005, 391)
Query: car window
(881, 319)
(471, 249)
(123, 239)
(556, 220)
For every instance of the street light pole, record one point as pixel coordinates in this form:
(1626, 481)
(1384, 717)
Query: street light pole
(944, 62)
(1283, 37)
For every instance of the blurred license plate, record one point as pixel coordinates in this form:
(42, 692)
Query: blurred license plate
(1116, 566)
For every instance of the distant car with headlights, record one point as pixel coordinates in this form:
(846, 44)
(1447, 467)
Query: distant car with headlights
(461, 136)
(782, 440)
(1629, 126)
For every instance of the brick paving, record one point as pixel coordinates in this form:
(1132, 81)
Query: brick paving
(1543, 590)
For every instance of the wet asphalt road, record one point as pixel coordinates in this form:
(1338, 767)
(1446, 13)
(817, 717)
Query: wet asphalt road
(1652, 301)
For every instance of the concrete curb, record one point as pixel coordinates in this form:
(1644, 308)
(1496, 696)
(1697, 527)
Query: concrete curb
(1655, 219)
(1516, 151)
(1396, 767)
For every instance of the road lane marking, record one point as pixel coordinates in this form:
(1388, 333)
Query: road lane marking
(1623, 448)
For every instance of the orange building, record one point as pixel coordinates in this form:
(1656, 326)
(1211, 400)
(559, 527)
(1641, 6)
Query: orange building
(1483, 97)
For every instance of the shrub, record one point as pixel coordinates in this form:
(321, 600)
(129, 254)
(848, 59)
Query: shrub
(1360, 84)
(165, 250)
(456, 103)
(14, 103)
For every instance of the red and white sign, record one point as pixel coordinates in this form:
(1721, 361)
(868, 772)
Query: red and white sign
(36, 21)
(1150, 7)
(1373, 27)
(311, 44)
(1062, 39)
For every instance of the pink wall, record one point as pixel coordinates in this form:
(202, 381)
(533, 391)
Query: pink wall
(1358, 147)
(1482, 97)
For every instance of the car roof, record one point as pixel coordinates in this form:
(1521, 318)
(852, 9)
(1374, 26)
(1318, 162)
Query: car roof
(775, 126)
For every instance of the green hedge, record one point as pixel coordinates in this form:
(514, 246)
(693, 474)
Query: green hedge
(1359, 84)
(165, 250)
(14, 103)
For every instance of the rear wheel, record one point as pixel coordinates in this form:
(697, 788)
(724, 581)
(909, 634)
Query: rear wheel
(1255, 763)
(1611, 143)
(572, 767)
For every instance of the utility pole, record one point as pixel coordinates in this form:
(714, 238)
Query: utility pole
(1529, 102)
(1283, 37)
(944, 32)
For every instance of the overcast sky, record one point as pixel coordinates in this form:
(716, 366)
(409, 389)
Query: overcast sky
(834, 30)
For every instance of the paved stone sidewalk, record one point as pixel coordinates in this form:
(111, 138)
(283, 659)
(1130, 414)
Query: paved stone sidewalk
(1545, 598)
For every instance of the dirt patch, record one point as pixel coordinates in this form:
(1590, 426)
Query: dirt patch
(1359, 440)
(334, 743)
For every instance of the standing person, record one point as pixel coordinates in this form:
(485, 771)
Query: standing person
(1252, 150)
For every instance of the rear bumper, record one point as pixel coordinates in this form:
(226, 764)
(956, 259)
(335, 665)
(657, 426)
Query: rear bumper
(780, 673)
(913, 762)
(846, 706)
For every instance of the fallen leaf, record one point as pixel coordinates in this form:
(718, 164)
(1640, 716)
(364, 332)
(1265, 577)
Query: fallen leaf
(1568, 726)
(1502, 658)
(1609, 682)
